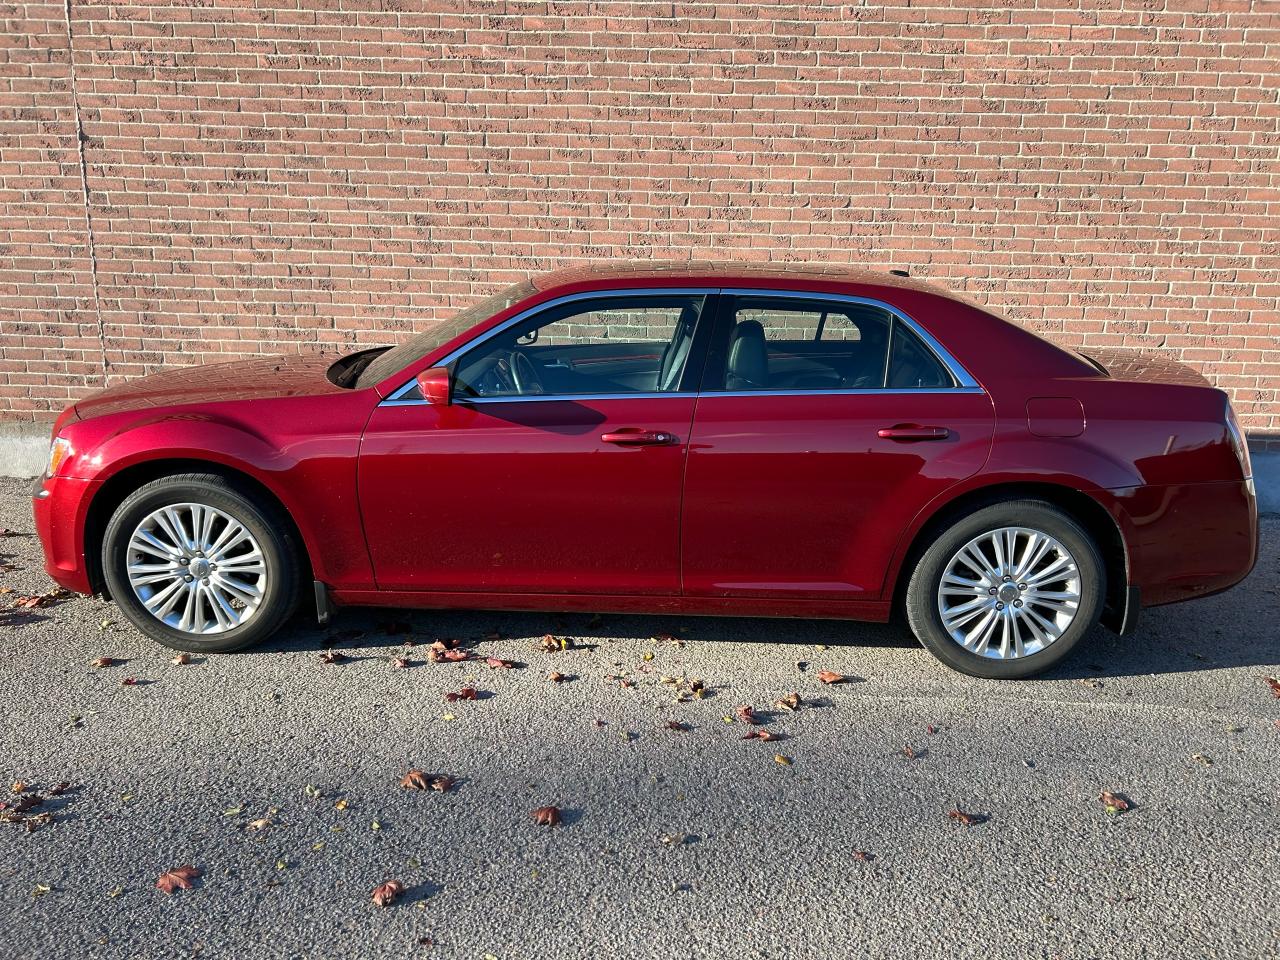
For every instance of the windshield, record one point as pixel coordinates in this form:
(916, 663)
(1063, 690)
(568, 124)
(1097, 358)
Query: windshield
(397, 358)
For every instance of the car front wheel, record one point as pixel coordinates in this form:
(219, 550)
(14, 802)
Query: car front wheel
(1007, 591)
(199, 565)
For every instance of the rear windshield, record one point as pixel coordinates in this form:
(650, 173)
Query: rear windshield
(397, 358)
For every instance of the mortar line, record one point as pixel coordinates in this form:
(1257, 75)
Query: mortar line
(84, 194)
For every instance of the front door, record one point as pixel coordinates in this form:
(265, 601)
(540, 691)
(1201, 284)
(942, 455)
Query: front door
(557, 468)
(824, 426)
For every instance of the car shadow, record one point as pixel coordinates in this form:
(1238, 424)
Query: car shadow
(1185, 638)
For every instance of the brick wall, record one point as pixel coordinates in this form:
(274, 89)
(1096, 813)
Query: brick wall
(265, 176)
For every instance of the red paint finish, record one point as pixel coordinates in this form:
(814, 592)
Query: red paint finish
(525, 496)
(798, 496)
(783, 504)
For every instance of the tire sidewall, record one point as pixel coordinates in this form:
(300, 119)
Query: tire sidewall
(922, 590)
(281, 589)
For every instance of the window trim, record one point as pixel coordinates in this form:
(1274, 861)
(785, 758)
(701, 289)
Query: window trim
(711, 314)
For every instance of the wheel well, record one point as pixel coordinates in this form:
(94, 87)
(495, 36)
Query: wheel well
(1080, 506)
(120, 485)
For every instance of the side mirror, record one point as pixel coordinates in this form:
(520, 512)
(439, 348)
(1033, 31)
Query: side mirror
(434, 385)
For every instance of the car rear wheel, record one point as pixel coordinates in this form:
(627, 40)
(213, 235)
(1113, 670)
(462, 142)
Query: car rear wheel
(200, 566)
(1007, 591)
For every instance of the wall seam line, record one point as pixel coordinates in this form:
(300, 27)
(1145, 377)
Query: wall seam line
(84, 194)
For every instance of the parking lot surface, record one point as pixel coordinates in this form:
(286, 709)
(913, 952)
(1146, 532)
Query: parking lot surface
(277, 776)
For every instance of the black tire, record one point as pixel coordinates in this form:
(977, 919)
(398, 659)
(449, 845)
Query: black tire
(922, 590)
(263, 522)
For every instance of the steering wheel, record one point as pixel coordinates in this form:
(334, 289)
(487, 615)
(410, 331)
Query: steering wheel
(523, 374)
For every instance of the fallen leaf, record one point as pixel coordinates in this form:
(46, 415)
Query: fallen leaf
(260, 824)
(748, 715)
(466, 693)
(676, 725)
(311, 790)
(342, 804)
(415, 780)
(547, 817)
(104, 662)
(497, 663)
(790, 702)
(1203, 758)
(863, 856)
(18, 786)
(384, 894)
(1115, 803)
(333, 656)
(179, 878)
(41, 889)
(556, 677)
(129, 682)
(554, 644)
(761, 734)
(828, 677)
(908, 752)
(6, 532)
(967, 819)
(779, 758)
(399, 663)
(1274, 684)
(442, 783)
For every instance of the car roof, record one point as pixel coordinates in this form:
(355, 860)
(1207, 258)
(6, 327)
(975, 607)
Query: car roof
(723, 273)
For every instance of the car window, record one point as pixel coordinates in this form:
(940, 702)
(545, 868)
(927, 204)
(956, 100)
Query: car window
(912, 365)
(601, 346)
(397, 358)
(784, 343)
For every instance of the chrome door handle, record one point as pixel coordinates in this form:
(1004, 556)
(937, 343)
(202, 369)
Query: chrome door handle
(912, 433)
(631, 437)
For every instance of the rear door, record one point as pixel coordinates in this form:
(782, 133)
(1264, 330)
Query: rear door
(823, 426)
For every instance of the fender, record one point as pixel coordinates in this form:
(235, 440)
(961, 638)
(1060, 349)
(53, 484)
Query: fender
(312, 476)
(1078, 468)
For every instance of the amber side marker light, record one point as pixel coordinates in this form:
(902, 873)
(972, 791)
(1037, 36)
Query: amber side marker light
(59, 450)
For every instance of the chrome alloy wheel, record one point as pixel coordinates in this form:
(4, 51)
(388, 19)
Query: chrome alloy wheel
(1009, 593)
(196, 569)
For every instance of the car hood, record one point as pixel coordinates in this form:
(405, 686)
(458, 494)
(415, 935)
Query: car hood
(257, 379)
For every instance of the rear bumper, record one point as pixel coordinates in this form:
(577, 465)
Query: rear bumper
(1190, 540)
(60, 508)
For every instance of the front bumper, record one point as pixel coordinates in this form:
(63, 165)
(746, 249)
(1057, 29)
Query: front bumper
(60, 507)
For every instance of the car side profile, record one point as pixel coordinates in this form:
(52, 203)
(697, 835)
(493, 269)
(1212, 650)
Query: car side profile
(686, 438)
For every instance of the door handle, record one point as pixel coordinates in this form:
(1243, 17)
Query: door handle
(912, 433)
(632, 437)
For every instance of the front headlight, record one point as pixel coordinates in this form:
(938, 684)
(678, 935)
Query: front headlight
(59, 450)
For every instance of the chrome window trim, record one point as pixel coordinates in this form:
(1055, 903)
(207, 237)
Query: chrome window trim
(965, 383)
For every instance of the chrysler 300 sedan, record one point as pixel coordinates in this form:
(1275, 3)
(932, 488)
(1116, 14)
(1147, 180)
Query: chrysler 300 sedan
(694, 438)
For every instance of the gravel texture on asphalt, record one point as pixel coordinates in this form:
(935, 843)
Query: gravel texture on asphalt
(675, 842)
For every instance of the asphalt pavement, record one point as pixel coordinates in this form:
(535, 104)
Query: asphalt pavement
(277, 776)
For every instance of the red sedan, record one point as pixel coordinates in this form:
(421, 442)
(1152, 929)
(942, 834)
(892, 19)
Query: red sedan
(701, 439)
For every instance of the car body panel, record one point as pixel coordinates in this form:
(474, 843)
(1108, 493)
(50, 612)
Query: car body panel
(794, 495)
(524, 496)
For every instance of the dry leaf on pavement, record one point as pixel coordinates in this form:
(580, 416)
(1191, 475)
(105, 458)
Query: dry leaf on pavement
(179, 878)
